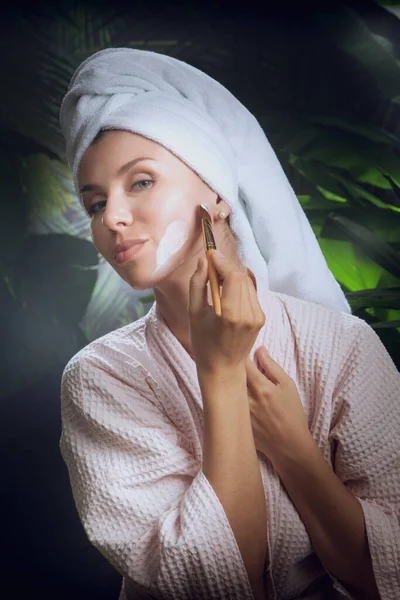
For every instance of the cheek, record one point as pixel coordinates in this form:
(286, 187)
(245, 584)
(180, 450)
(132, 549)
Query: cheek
(174, 238)
(94, 233)
(98, 235)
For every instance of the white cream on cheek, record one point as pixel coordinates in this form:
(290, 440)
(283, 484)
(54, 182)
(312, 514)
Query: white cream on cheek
(175, 236)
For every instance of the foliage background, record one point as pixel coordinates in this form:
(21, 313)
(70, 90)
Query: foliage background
(323, 82)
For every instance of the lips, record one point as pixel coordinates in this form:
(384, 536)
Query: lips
(128, 247)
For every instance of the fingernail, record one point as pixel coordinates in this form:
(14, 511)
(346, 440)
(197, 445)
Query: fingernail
(219, 254)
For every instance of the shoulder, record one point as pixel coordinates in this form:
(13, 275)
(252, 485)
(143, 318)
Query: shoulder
(128, 338)
(325, 345)
(347, 345)
(326, 327)
(118, 360)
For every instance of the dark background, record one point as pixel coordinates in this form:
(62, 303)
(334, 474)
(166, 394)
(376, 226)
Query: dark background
(329, 109)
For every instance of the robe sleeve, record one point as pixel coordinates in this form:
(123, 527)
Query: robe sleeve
(365, 436)
(142, 498)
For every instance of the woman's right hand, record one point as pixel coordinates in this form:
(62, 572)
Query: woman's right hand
(221, 344)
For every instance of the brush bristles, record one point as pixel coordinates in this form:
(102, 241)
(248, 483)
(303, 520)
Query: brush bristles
(205, 213)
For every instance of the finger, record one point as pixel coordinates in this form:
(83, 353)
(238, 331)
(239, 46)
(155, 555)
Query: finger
(272, 369)
(238, 291)
(198, 288)
(255, 379)
(224, 265)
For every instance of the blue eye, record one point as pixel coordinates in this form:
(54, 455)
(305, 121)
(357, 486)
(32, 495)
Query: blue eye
(143, 181)
(92, 210)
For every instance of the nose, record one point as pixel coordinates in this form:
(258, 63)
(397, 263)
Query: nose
(117, 214)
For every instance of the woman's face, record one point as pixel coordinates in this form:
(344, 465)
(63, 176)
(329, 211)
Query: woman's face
(156, 199)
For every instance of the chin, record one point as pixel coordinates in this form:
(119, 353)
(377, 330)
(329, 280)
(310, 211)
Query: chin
(145, 278)
(141, 287)
(140, 282)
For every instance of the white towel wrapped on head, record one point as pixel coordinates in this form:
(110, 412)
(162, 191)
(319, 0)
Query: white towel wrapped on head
(201, 122)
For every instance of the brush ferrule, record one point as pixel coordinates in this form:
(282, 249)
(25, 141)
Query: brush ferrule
(208, 235)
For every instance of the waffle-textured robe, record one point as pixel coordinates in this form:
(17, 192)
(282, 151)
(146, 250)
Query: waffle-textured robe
(132, 423)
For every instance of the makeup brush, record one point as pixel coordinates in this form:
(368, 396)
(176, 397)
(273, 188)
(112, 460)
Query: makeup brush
(210, 248)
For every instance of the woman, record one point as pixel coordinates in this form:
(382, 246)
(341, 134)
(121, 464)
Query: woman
(196, 471)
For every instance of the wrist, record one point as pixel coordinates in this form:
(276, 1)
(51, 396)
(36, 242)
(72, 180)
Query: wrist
(297, 457)
(222, 377)
(224, 372)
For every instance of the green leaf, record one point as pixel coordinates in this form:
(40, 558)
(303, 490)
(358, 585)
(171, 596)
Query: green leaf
(320, 176)
(114, 303)
(370, 132)
(357, 192)
(386, 325)
(329, 196)
(352, 35)
(363, 160)
(337, 185)
(352, 269)
(382, 297)
(48, 189)
(327, 202)
(368, 242)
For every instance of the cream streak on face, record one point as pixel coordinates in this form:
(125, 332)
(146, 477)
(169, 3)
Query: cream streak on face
(176, 235)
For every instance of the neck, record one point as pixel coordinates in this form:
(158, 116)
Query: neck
(172, 300)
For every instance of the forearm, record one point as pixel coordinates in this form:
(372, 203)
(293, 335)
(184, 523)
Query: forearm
(231, 466)
(333, 518)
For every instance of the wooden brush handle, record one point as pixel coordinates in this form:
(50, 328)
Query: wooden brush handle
(212, 274)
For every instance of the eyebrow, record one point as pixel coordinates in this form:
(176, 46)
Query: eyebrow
(90, 187)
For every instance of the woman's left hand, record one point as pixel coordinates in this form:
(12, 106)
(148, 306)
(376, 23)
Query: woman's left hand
(279, 423)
